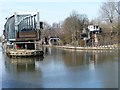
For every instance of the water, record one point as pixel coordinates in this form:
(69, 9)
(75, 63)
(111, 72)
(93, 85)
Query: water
(61, 69)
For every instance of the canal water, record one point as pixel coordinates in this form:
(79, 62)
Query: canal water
(61, 69)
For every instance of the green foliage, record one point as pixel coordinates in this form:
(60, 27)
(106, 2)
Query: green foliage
(73, 25)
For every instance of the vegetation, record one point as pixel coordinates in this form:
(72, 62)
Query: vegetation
(109, 13)
(73, 25)
(70, 29)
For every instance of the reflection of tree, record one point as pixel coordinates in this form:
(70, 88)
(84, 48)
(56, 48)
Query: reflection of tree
(106, 55)
(73, 58)
(76, 58)
(80, 58)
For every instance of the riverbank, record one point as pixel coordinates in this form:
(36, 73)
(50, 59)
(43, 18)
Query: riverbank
(105, 47)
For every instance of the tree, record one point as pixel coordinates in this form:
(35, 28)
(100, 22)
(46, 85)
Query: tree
(46, 28)
(73, 25)
(109, 12)
(119, 18)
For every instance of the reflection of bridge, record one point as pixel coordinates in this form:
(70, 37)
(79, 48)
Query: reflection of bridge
(22, 64)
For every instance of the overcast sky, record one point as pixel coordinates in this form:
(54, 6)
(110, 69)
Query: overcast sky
(50, 11)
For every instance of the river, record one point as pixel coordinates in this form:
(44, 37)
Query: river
(61, 69)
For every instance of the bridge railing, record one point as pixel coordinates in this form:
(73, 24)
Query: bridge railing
(27, 23)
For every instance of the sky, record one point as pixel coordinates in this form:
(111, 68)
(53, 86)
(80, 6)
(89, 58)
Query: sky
(50, 11)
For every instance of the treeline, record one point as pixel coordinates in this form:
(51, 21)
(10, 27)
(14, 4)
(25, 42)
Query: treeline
(70, 29)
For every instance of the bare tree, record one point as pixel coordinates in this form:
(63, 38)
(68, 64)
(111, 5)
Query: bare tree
(119, 12)
(46, 26)
(109, 12)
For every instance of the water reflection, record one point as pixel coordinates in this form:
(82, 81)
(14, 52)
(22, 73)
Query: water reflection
(21, 64)
(80, 58)
(86, 57)
(54, 58)
(47, 50)
(69, 68)
(66, 59)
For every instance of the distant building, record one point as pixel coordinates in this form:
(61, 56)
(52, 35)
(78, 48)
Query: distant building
(89, 35)
(94, 28)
